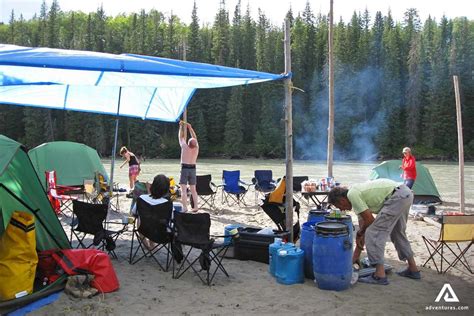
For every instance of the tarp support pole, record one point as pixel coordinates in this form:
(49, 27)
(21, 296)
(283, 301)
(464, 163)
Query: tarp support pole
(289, 133)
(460, 143)
(114, 149)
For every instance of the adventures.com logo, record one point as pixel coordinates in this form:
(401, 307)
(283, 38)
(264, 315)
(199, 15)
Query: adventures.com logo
(447, 295)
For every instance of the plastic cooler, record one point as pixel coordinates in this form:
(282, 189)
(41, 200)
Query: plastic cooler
(253, 246)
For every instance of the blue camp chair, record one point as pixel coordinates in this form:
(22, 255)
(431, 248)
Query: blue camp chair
(233, 189)
(263, 182)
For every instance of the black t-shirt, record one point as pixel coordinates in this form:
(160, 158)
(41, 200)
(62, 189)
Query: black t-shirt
(133, 161)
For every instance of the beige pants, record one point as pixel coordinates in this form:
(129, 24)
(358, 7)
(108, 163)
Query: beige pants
(390, 221)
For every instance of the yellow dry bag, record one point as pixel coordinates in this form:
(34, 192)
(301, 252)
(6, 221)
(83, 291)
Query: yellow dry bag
(278, 194)
(18, 257)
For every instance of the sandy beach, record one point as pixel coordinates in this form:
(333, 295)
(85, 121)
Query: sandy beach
(251, 290)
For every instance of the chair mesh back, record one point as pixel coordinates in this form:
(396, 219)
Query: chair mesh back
(203, 185)
(193, 228)
(263, 176)
(458, 228)
(90, 217)
(154, 220)
(231, 180)
(297, 182)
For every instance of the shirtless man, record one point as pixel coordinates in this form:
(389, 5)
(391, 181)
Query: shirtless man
(189, 154)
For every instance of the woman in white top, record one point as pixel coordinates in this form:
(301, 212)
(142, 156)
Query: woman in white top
(159, 191)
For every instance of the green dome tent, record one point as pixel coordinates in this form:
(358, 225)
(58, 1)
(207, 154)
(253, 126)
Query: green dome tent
(20, 189)
(425, 189)
(73, 162)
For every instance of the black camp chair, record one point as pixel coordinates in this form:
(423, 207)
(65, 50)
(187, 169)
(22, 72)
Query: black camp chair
(263, 182)
(90, 219)
(206, 190)
(155, 225)
(297, 180)
(192, 231)
(277, 212)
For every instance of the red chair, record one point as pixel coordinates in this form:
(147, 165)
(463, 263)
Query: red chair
(60, 195)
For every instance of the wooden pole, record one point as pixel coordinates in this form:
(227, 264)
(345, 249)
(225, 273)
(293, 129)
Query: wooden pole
(288, 132)
(331, 93)
(460, 143)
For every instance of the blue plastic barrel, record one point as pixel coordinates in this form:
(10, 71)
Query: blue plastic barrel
(346, 219)
(317, 215)
(227, 230)
(272, 253)
(306, 242)
(289, 266)
(332, 256)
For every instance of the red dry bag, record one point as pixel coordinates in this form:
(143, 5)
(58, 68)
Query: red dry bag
(90, 261)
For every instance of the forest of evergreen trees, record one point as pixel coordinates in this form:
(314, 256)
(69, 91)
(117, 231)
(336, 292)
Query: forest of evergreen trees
(394, 84)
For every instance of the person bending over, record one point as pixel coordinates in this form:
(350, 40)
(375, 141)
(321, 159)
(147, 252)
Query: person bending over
(133, 165)
(391, 202)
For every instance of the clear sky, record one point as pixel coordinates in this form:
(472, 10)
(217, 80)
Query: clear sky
(275, 10)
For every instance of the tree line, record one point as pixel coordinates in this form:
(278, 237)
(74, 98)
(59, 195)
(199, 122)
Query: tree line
(393, 82)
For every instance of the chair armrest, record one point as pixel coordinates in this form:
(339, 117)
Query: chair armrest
(245, 183)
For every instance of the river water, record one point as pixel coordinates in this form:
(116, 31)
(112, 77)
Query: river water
(444, 174)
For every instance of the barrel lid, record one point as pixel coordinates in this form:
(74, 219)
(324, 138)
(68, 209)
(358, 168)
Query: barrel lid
(341, 218)
(331, 228)
(318, 211)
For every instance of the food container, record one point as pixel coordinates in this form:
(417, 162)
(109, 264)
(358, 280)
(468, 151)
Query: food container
(309, 186)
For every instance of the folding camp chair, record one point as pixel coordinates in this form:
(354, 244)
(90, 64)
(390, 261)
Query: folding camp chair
(233, 189)
(60, 195)
(104, 196)
(192, 231)
(263, 182)
(206, 190)
(454, 229)
(155, 225)
(297, 180)
(90, 219)
(277, 212)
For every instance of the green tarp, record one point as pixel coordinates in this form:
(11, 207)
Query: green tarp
(425, 189)
(73, 162)
(20, 189)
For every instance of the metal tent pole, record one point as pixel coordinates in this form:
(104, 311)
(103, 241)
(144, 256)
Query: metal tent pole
(114, 150)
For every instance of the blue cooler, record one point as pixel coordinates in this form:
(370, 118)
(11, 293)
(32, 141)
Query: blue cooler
(273, 253)
(227, 230)
(289, 266)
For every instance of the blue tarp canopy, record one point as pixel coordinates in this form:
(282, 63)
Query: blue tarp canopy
(151, 87)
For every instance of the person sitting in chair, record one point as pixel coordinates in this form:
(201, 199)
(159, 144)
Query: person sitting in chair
(159, 193)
